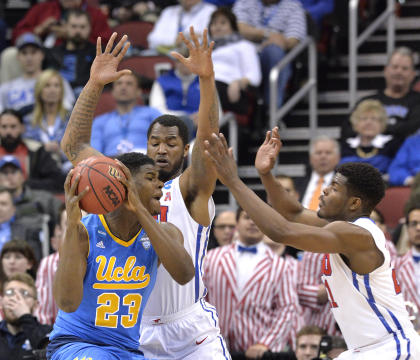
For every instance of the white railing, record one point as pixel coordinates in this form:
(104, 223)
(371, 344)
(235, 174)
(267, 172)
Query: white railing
(355, 41)
(310, 87)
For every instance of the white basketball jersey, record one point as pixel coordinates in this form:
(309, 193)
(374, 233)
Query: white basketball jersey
(168, 297)
(366, 307)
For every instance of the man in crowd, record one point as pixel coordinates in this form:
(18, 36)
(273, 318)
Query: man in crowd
(324, 155)
(74, 57)
(20, 332)
(39, 168)
(125, 128)
(224, 226)
(244, 278)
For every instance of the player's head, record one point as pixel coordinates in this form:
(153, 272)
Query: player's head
(307, 342)
(167, 145)
(22, 285)
(355, 191)
(146, 177)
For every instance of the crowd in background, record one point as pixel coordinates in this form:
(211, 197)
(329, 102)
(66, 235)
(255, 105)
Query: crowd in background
(44, 66)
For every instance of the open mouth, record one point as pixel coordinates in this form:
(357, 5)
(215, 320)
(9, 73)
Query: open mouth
(162, 162)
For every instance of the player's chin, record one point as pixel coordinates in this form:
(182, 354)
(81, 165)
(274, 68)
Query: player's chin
(155, 207)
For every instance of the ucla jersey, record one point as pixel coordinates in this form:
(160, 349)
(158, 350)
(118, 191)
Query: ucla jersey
(370, 307)
(174, 211)
(119, 278)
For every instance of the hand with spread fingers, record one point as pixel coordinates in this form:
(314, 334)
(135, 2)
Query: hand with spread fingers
(222, 158)
(104, 67)
(268, 152)
(199, 61)
(74, 214)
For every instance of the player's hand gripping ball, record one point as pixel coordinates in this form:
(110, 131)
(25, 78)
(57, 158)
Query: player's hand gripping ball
(101, 174)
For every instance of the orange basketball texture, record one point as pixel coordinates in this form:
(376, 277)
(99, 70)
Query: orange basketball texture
(105, 193)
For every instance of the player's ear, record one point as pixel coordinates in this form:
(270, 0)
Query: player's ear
(355, 203)
(186, 149)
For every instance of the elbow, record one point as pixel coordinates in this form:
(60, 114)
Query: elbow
(68, 305)
(187, 273)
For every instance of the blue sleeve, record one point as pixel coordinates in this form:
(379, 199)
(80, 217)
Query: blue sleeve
(96, 140)
(318, 8)
(399, 169)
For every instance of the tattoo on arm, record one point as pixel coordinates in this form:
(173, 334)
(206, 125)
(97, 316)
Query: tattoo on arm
(79, 128)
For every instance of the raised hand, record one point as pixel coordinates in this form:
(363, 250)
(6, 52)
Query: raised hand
(199, 62)
(268, 152)
(222, 158)
(104, 67)
(74, 214)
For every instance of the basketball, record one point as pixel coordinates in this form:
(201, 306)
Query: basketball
(105, 193)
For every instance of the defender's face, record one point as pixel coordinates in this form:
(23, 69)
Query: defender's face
(149, 188)
(165, 147)
(333, 201)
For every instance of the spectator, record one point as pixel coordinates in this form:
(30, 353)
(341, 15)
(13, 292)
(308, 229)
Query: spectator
(178, 93)
(317, 9)
(48, 121)
(401, 103)
(17, 256)
(18, 94)
(47, 310)
(370, 145)
(263, 287)
(75, 55)
(338, 346)
(39, 168)
(124, 129)
(236, 64)
(406, 163)
(20, 332)
(28, 202)
(133, 10)
(307, 342)
(408, 266)
(45, 20)
(324, 155)
(276, 26)
(224, 226)
(312, 293)
(179, 18)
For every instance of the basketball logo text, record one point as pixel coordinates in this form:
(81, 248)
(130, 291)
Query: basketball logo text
(111, 195)
(114, 172)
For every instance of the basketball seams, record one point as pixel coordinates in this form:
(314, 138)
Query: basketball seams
(106, 181)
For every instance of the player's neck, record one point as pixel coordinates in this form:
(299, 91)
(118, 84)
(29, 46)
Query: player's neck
(123, 224)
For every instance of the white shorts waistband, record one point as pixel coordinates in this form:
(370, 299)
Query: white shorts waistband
(164, 319)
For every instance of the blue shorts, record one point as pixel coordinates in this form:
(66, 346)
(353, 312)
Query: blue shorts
(79, 350)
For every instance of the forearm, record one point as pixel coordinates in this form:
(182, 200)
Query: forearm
(170, 251)
(251, 33)
(291, 43)
(68, 280)
(78, 132)
(281, 201)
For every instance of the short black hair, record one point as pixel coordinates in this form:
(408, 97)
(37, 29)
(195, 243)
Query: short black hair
(14, 113)
(413, 203)
(76, 13)
(364, 181)
(239, 210)
(134, 160)
(168, 121)
(228, 14)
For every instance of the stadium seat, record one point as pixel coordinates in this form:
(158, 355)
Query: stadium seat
(136, 31)
(107, 103)
(392, 205)
(147, 66)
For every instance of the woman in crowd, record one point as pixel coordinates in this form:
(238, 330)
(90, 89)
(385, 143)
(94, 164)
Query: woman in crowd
(370, 145)
(48, 121)
(236, 63)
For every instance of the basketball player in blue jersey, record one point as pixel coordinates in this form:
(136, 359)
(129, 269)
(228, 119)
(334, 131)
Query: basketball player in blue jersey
(108, 264)
(363, 290)
(178, 323)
